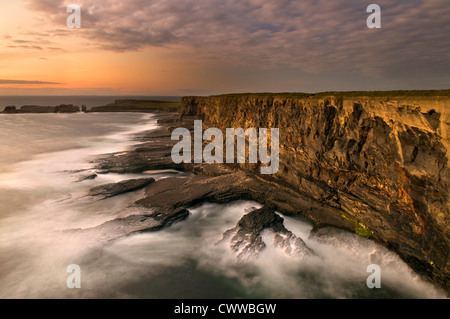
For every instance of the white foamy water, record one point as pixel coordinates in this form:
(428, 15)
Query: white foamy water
(41, 201)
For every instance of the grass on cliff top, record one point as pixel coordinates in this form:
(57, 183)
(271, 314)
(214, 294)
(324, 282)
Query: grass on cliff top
(397, 93)
(140, 105)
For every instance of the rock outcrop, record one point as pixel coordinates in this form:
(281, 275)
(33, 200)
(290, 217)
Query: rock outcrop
(139, 220)
(382, 162)
(63, 108)
(113, 189)
(81, 177)
(10, 110)
(377, 166)
(67, 108)
(246, 238)
(36, 109)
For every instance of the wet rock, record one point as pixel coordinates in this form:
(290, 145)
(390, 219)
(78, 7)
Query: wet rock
(85, 176)
(140, 220)
(113, 189)
(230, 185)
(372, 166)
(154, 154)
(246, 238)
(381, 160)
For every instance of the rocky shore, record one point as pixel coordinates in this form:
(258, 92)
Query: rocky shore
(26, 109)
(375, 167)
(126, 105)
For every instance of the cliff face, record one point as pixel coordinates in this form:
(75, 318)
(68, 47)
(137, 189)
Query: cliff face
(383, 162)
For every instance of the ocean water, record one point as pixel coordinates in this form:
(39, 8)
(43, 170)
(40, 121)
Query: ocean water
(41, 200)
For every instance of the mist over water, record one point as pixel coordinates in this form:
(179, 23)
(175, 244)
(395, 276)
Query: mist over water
(41, 203)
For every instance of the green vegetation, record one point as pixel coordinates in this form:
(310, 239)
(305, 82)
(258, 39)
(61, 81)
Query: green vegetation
(360, 229)
(282, 94)
(397, 93)
(143, 104)
(136, 105)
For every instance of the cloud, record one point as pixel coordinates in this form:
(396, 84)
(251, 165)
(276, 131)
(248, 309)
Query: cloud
(34, 42)
(31, 47)
(8, 91)
(315, 36)
(25, 82)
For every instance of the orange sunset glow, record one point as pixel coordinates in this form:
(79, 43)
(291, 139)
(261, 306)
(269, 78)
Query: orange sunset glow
(182, 47)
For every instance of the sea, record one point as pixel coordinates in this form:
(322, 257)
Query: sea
(42, 204)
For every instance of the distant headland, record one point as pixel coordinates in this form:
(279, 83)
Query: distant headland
(125, 105)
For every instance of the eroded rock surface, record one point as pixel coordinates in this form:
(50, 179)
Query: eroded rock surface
(381, 161)
(246, 238)
(113, 189)
(374, 166)
(139, 220)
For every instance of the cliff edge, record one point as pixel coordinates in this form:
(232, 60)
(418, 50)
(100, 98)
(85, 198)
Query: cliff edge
(382, 162)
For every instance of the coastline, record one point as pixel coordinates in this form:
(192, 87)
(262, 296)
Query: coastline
(216, 183)
(169, 199)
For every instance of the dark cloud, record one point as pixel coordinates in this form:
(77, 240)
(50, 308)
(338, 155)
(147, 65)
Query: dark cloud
(25, 82)
(34, 43)
(315, 36)
(31, 47)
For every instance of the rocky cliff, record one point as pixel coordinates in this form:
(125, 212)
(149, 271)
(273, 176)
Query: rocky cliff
(381, 162)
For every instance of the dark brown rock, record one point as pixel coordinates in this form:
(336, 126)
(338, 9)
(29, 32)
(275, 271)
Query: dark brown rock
(246, 240)
(37, 109)
(85, 176)
(375, 166)
(69, 108)
(140, 220)
(10, 110)
(113, 189)
(381, 161)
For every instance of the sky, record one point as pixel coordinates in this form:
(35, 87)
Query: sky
(204, 47)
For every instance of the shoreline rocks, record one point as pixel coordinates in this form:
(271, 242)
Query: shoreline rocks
(139, 220)
(381, 161)
(349, 164)
(246, 238)
(114, 189)
(30, 109)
